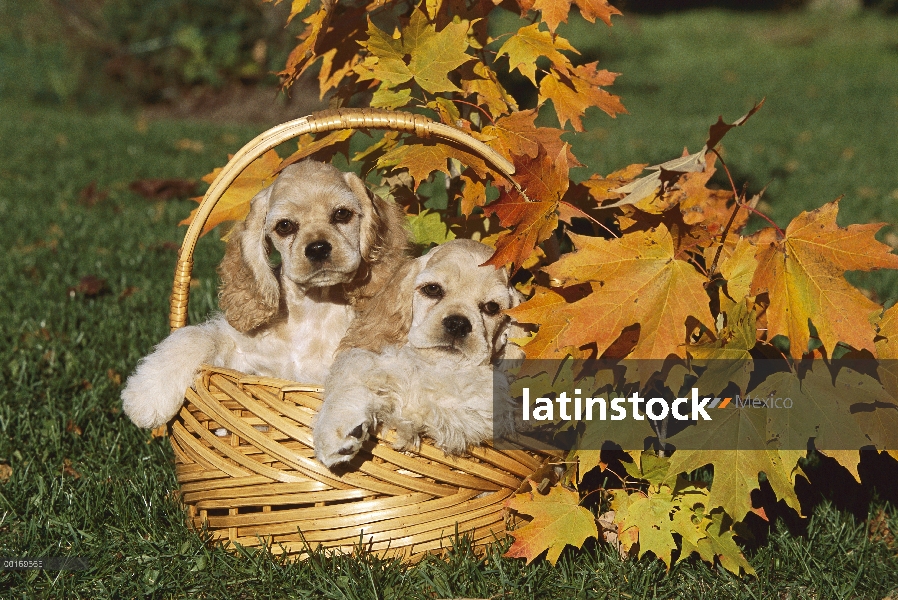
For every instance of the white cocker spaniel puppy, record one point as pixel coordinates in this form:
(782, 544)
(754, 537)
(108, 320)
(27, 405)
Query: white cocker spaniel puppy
(422, 358)
(338, 245)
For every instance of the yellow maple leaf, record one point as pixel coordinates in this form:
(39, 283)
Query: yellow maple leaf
(558, 521)
(234, 204)
(528, 44)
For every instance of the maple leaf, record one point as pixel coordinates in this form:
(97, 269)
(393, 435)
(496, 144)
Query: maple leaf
(728, 358)
(234, 203)
(302, 56)
(558, 521)
(650, 516)
(428, 228)
(473, 194)
(573, 91)
(887, 350)
(518, 135)
(590, 9)
(744, 434)
(545, 180)
(296, 7)
(667, 174)
(554, 12)
(803, 274)
(701, 204)
(308, 145)
(719, 542)
(528, 44)
(422, 159)
(600, 188)
(843, 412)
(738, 270)
(482, 81)
(635, 279)
(432, 55)
(543, 308)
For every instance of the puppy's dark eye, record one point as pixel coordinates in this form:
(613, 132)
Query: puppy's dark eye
(491, 308)
(285, 227)
(341, 215)
(432, 290)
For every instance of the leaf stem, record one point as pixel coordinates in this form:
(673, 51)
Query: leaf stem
(596, 221)
(486, 114)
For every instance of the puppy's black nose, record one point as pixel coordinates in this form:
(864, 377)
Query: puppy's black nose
(319, 250)
(457, 326)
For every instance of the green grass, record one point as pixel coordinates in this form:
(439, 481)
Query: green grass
(60, 354)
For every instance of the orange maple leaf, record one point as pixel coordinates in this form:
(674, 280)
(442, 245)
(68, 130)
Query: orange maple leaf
(554, 12)
(308, 145)
(804, 276)
(558, 521)
(573, 91)
(234, 204)
(544, 180)
(542, 308)
(517, 135)
(634, 280)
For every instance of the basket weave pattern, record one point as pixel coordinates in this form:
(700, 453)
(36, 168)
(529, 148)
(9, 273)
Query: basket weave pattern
(243, 444)
(244, 460)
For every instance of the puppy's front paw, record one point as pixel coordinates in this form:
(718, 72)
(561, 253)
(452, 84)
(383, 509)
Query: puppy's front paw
(339, 444)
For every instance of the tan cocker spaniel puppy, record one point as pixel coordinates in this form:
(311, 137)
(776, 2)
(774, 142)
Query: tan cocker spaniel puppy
(422, 358)
(338, 245)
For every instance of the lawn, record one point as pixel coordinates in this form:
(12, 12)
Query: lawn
(83, 481)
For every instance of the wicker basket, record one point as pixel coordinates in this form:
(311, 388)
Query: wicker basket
(243, 444)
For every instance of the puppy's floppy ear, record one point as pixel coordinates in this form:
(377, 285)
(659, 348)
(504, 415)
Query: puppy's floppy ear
(249, 294)
(387, 317)
(383, 243)
(503, 349)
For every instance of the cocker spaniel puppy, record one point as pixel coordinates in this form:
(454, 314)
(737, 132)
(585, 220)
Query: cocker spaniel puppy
(338, 245)
(421, 358)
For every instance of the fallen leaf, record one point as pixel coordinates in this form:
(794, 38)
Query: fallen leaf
(114, 376)
(5, 472)
(90, 196)
(67, 469)
(72, 427)
(128, 292)
(89, 286)
(190, 145)
(163, 189)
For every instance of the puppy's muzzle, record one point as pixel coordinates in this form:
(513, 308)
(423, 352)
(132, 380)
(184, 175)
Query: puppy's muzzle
(457, 326)
(318, 251)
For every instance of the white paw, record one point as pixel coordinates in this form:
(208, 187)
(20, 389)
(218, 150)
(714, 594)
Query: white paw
(147, 405)
(339, 444)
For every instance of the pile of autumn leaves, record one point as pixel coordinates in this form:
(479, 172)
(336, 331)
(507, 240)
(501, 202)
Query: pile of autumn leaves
(660, 269)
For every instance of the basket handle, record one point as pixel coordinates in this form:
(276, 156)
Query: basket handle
(328, 120)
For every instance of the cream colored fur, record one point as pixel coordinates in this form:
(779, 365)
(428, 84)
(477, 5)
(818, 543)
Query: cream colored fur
(283, 321)
(401, 367)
